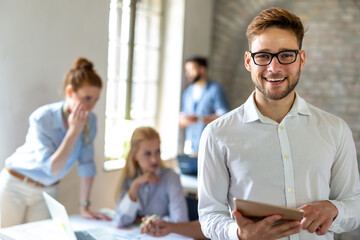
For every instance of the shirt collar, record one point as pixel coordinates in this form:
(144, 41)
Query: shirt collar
(300, 107)
(206, 85)
(252, 113)
(59, 123)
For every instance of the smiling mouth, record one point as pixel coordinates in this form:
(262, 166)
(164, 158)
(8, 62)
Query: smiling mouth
(274, 79)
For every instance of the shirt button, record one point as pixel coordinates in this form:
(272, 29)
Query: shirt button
(286, 156)
(281, 127)
(289, 189)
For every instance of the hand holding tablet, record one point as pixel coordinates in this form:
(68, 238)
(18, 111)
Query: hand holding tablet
(253, 209)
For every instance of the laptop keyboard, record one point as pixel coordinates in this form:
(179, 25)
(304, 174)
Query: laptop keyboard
(82, 235)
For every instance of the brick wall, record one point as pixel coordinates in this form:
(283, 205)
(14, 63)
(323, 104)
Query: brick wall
(330, 79)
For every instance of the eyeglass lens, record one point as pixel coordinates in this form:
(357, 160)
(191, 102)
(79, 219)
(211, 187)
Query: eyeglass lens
(285, 57)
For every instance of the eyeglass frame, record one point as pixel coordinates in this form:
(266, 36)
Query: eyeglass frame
(297, 51)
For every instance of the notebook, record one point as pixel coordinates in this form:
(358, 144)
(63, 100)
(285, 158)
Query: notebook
(61, 219)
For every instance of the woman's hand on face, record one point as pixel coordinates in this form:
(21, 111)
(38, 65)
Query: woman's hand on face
(78, 117)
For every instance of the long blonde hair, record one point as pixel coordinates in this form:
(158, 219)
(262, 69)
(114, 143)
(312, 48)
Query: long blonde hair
(131, 166)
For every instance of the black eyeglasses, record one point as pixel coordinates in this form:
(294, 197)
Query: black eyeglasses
(284, 57)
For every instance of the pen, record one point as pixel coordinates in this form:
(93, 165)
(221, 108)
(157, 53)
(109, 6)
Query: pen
(148, 220)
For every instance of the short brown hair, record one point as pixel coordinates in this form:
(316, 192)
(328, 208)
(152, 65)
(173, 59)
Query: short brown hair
(275, 17)
(82, 73)
(201, 61)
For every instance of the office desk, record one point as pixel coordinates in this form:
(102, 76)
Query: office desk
(189, 184)
(46, 229)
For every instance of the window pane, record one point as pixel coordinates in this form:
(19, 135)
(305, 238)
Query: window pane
(150, 5)
(144, 100)
(145, 72)
(147, 29)
(146, 64)
(113, 60)
(115, 99)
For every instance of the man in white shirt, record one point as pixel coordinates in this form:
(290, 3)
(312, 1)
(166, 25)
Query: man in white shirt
(278, 149)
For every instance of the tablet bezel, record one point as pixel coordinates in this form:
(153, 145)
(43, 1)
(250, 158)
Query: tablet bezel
(252, 209)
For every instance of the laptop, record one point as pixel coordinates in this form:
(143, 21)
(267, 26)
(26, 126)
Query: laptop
(188, 164)
(61, 219)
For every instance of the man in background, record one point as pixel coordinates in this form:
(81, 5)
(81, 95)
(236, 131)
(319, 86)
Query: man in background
(202, 102)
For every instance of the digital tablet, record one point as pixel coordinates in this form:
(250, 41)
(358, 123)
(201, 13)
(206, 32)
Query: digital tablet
(260, 210)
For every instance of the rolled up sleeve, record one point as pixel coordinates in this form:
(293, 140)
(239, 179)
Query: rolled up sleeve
(126, 211)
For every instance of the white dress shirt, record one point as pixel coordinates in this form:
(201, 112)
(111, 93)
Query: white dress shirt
(310, 156)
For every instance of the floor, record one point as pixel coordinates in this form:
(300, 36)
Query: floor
(354, 235)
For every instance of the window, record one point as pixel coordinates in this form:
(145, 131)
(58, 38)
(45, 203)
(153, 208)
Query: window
(133, 73)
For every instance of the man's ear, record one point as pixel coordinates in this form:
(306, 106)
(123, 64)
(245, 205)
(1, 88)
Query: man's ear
(68, 90)
(302, 58)
(247, 58)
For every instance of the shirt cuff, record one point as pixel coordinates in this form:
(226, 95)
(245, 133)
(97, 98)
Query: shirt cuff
(233, 228)
(335, 226)
(130, 206)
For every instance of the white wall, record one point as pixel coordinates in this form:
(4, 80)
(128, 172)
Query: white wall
(198, 27)
(187, 31)
(198, 19)
(171, 74)
(39, 40)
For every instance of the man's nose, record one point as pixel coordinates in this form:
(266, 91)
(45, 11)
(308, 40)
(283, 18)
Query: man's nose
(275, 65)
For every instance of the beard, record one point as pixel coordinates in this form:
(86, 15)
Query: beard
(195, 79)
(283, 94)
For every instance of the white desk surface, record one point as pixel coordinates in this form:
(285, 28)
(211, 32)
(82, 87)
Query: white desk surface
(189, 183)
(46, 229)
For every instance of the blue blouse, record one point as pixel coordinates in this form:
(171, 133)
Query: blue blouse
(44, 136)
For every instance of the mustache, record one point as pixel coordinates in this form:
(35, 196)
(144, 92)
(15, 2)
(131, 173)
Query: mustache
(274, 76)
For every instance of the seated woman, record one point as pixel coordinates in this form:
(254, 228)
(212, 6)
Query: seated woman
(145, 186)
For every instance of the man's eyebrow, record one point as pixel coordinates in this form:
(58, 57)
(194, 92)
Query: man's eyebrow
(279, 50)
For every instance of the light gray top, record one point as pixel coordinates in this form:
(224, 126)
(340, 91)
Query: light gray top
(165, 199)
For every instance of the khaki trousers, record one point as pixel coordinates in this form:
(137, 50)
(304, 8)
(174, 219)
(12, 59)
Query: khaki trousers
(22, 202)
